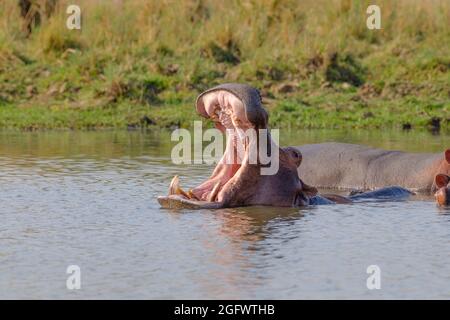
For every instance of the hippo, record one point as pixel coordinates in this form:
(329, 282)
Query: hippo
(237, 108)
(442, 194)
(360, 167)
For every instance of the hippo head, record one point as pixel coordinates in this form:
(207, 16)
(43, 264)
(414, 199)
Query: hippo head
(442, 194)
(236, 109)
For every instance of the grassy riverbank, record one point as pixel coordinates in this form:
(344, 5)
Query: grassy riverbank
(138, 63)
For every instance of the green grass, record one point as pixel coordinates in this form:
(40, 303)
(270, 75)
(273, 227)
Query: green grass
(118, 116)
(140, 62)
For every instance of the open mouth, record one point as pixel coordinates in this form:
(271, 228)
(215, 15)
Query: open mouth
(234, 109)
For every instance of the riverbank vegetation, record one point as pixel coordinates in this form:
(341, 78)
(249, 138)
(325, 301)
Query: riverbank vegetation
(142, 63)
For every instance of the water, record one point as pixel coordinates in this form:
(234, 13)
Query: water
(88, 199)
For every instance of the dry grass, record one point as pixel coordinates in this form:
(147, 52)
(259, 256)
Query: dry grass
(182, 47)
(259, 29)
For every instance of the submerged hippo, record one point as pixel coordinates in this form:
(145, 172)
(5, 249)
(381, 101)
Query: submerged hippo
(442, 194)
(352, 166)
(237, 108)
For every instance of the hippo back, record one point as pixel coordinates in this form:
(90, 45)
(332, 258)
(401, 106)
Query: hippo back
(352, 166)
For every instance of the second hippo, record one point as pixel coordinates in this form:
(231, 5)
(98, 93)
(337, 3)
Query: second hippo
(352, 166)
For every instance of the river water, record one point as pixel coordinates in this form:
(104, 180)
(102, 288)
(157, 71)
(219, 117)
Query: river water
(89, 199)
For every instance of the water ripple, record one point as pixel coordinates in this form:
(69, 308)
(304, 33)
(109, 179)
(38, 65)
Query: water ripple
(93, 204)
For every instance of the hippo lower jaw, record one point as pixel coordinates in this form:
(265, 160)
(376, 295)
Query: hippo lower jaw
(208, 195)
(179, 202)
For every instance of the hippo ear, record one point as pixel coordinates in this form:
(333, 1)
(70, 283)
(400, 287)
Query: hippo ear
(441, 180)
(310, 191)
(447, 155)
(297, 155)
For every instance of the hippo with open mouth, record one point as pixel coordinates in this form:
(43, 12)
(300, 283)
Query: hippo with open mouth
(236, 109)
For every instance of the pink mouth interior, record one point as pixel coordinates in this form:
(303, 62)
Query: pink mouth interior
(228, 112)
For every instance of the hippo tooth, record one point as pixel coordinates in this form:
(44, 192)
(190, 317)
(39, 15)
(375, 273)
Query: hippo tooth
(213, 194)
(174, 188)
(174, 185)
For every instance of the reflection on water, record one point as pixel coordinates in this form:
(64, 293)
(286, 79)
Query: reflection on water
(88, 198)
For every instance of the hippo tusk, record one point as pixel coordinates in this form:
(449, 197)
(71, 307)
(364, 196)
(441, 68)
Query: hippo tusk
(179, 199)
(174, 188)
